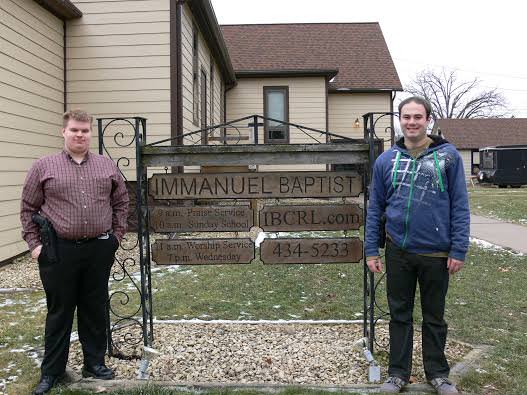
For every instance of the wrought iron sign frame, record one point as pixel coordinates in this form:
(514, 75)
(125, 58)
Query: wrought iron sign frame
(358, 152)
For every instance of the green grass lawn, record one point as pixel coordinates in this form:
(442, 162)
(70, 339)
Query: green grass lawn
(259, 291)
(505, 204)
(486, 305)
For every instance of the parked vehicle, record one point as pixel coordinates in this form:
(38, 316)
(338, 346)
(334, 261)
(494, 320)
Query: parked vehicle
(503, 165)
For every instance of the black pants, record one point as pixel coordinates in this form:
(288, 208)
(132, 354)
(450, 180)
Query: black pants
(78, 280)
(403, 270)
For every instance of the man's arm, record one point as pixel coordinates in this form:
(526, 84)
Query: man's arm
(376, 207)
(119, 202)
(459, 215)
(32, 199)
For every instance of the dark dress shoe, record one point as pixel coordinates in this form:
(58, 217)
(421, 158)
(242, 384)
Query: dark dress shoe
(100, 372)
(46, 384)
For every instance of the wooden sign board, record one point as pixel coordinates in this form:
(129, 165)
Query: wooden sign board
(321, 250)
(327, 217)
(255, 185)
(201, 219)
(202, 251)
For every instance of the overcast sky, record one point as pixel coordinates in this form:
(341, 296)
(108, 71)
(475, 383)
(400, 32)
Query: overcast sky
(483, 39)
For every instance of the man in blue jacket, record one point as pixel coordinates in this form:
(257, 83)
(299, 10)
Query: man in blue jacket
(419, 186)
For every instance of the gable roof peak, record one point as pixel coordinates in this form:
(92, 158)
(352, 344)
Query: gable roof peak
(357, 50)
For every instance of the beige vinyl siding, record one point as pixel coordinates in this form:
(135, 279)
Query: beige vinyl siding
(307, 107)
(345, 108)
(118, 62)
(31, 105)
(216, 119)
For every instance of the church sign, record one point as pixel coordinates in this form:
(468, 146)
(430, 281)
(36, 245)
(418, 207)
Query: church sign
(311, 217)
(202, 251)
(255, 185)
(201, 219)
(311, 250)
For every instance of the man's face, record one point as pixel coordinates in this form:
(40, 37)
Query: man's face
(414, 121)
(77, 136)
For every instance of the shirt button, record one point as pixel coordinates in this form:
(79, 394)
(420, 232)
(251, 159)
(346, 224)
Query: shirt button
(85, 222)
(82, 191)
(84, 206)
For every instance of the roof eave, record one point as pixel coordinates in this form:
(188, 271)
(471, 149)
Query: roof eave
(329, 73)
(364, 90)
(62, 9)
(206, 19)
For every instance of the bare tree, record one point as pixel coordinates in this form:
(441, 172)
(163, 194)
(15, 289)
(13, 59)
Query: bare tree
(452, 98)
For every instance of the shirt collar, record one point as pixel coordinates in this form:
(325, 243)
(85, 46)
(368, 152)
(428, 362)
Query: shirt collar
(68, 156)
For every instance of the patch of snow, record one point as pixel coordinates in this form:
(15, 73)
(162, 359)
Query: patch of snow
(259, 239)
(489, 246)
(11, 302)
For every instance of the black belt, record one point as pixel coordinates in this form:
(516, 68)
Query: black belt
(84, 240)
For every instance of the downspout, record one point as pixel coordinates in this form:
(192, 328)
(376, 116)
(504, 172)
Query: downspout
(327, 108)
(64, 65)
(179, 73)
(224, 120)
(176, 77)
(392, 130)
(328, 165)
(227, 87)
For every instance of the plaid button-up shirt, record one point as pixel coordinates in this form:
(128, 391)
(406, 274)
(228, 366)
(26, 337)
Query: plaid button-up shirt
(81, 200)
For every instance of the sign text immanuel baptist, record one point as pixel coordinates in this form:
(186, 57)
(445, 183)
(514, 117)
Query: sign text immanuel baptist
(255, 185)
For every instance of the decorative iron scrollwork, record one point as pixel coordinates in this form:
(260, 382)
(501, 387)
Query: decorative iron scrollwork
(126, 299)
(373, 312)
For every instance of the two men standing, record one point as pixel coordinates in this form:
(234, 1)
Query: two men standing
(419, 186)
(84, 197)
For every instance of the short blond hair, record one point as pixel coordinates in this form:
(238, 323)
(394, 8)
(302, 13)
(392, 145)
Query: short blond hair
(77, 115)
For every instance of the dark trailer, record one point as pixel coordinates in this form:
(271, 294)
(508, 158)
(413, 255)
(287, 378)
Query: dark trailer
(503, 165)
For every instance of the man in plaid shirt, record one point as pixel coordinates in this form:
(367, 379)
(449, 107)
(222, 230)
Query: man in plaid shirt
(84, 197)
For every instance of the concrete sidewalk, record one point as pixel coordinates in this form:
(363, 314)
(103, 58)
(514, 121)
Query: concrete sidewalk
(500, 233)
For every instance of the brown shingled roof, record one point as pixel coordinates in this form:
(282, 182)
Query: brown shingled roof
(484, 132)
(357, 50)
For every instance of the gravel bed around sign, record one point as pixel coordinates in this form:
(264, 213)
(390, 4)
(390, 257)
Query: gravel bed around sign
(259, 353)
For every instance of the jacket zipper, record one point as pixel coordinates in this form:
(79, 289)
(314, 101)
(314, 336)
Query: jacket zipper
(409, 203)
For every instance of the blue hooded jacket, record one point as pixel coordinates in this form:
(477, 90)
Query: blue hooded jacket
(424, 199)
